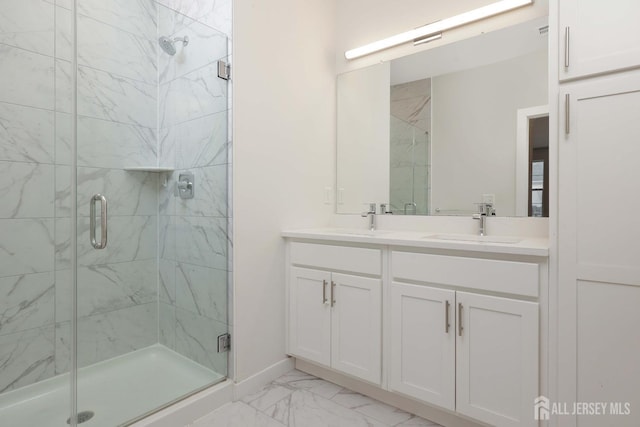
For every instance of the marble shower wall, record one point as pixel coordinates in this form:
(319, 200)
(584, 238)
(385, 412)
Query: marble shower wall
(136, 107)
(27, 192)
(195, 233)
(410, 146)
(117, 128)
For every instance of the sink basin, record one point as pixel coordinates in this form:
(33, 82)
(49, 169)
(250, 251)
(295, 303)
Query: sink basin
(355, 232)
(473, 238)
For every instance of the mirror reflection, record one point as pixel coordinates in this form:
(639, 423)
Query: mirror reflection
(446, 130)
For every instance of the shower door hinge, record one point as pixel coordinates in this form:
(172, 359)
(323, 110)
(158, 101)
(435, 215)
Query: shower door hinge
(224, 343)
(224, 70)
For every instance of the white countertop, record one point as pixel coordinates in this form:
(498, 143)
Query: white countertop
(428, 239)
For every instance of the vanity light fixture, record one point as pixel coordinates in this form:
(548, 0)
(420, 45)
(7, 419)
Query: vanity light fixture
(436, 28)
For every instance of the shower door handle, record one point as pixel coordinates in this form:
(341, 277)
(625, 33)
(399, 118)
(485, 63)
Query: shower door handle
(103, 221)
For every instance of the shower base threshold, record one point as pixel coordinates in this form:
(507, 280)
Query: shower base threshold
(116, 390)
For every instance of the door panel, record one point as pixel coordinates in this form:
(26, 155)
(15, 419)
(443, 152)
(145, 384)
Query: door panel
(357, 326)
(423, 343)
(497, 359)
(310, 315)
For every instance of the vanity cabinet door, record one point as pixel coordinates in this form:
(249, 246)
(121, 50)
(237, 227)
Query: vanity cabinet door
(603, 36)
(310, 314)
(357, 326)
(496, 359)
(423, 343)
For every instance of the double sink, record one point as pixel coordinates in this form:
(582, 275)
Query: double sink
(446, 237)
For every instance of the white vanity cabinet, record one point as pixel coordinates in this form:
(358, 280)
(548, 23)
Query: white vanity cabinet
(597, 37)
(473, 353)
(335, 308)
(439, 324)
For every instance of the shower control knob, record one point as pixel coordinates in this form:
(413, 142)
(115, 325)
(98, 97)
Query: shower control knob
(185, 187)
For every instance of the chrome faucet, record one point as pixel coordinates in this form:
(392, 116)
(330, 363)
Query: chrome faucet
(371, 214)
(484, 210)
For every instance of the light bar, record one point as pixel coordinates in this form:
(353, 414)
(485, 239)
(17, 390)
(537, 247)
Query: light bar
(438, 27)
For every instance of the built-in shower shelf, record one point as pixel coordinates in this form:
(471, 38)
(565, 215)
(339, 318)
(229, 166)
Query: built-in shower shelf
(150, 169)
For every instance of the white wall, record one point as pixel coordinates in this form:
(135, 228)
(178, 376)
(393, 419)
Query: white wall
(363, 21)
(474, 112)
(284, 150)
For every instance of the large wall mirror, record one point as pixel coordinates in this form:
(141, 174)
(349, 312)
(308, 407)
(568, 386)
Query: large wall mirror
(438, 132)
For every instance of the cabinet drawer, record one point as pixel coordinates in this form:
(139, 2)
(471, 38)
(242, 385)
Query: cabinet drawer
(485, 274)
(340, 258)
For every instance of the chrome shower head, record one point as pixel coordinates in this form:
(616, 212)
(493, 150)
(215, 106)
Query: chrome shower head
(169, 45)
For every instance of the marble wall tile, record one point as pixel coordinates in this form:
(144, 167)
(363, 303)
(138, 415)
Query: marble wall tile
(194, 9)
(108, 287)
(62, 243)
(202, 241)
(107, 335)
(26, 246)
(167, 193)
(210, 197)
(167, 281)
(220, 17)
(170, 21)
(26, 190)
(198, 142)
(108, 144)
(131, 238)
(67, 4)
(206, 45)
(167, 325)
(117, 52)
(26, 134)
(167, 148)
(64, 83)
(197, 339)
(63, 138)
(27, 24)
(64, 34)
(63, 191)
(26, 78)
(104, 96)
(167, 237)
(26, 357)
(26, 302)
(191, 96)
(127, 193)
(202, 291)
(134, 16)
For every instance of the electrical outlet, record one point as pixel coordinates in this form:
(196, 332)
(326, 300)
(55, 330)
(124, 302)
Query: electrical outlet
(327, 196)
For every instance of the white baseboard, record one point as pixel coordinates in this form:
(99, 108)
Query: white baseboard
(262, 378)
(197, 406)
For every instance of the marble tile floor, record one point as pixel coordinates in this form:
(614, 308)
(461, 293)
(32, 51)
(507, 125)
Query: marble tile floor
(298, 399)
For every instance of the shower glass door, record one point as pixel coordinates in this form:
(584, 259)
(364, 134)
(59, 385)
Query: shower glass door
(152, 212)
(111, 103)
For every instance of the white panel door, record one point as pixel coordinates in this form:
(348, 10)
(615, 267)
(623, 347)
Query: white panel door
(310, 315)
(356, 344)
(598, 172)
(497, 359)
(423, 343)
(603, 36)
(609, 352)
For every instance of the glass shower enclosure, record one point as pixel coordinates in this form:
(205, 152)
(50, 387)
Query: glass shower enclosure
(114, 218)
